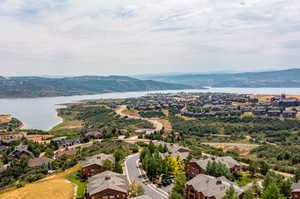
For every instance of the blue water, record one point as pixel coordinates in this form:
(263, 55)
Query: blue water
(40, 113)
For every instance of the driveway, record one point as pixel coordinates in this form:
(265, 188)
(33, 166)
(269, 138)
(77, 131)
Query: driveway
(133, 173)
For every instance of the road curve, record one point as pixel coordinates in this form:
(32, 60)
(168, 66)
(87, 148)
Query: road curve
(157, 125)
(133, 173)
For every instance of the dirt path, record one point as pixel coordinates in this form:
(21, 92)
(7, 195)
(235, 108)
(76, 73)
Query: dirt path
(121, 111)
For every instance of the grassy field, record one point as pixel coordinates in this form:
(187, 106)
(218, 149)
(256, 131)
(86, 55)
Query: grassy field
(73, 177)
(52, 187)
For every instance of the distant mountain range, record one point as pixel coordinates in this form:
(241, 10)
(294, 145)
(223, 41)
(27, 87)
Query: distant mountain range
(283, 78)
(15, 87)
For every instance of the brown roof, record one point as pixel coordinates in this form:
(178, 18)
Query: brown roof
(35, 162)
(94, 133)
(68, 152)
(107, 180)
(213, 187)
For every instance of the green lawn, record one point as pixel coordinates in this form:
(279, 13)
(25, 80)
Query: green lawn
(74, 178)
(244, 180)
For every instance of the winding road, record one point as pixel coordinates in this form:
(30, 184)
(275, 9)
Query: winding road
(157, 125)
(133, 172)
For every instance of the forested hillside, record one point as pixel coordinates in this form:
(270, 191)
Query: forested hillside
(44, 87)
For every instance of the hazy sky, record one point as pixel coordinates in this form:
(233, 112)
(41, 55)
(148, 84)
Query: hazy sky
(102, 37)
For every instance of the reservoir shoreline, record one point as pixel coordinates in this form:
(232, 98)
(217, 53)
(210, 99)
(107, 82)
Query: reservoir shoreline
(41, 113)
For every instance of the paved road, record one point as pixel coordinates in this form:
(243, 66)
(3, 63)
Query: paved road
(133, 173)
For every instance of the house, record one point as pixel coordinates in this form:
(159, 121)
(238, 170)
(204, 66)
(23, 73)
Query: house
(64, 142)
(198, 166)
(4, 168)
(174, 150)
(274, 113)
(94, 165)
(94, 134)
(144, 131)
(296, 190)
(36, 162)
(289, 114)
(120, 131)
(60, 154)
(107, 185)
(259, 111)
(21, 151)
(2, 148)
(208, 187)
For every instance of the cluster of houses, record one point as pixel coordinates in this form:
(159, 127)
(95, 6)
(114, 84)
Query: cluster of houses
(22, 150)
(201, 185)
(218, 105)
(104, 184)
(276, 107)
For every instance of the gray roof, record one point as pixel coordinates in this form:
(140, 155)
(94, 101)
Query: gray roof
(228, 161)
(172, 147)
(211, 186)
(21, 148)
(98, 159)
(2, 148)
(296, 187)
(174, 150)
(143, 197)
(107, 180)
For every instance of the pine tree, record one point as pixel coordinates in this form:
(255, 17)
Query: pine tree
(272, 192)
(249, 194)
(230, 194)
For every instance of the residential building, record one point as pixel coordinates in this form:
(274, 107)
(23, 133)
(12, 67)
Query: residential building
(296, 191)
(107, 185)
(208, 187)
(94, 134)
(94, 165)
(198, 166)
(21, 151)
(60, 154)
(36, 162)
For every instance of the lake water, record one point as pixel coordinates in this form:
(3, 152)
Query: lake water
(40, 113)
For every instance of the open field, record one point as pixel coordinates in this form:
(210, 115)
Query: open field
(52, 187)
(71, 124)
(241, 148)
(132, 113)
(166, 123)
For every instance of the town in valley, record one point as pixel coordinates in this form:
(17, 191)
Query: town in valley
(183, 145)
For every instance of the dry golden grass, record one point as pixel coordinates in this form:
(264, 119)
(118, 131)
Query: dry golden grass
(185, 118)
(240, 149)
(132, 113)
(52, 187)
(71, 124)
(166, 112)
(166, 123)
(5, 118)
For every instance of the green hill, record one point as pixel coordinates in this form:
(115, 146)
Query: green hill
(14, 87)
(283, 78)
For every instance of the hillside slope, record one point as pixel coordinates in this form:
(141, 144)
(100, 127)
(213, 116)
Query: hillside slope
(14, 87)
(283, 78)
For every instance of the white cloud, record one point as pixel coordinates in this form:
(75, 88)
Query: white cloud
(134, 36)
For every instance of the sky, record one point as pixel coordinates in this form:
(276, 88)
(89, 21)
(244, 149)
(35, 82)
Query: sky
(125, 37)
